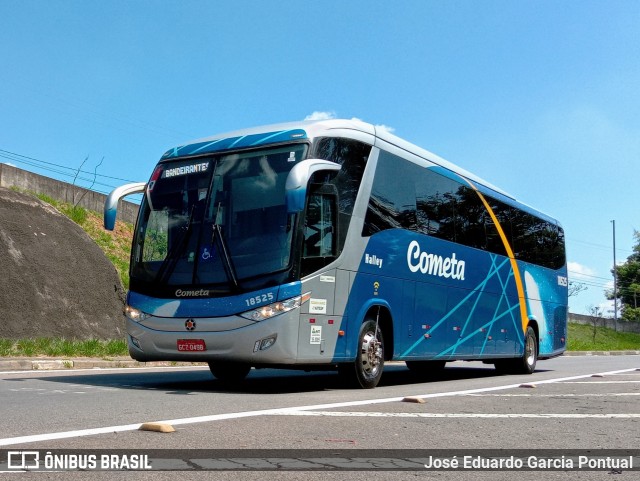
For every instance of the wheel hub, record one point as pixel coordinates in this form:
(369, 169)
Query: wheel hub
(372, 353)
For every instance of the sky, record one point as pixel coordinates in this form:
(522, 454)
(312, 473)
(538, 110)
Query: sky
(541, 98)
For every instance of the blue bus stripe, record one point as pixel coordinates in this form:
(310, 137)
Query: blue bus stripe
(463, 340)
(476, 291)
(205, 146)
(503, 297)
(268, 137)
(235, 142)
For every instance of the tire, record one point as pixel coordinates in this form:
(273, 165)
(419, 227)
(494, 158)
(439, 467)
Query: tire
(425, 369)
(229, 372)
(525, 364)
(366, 371)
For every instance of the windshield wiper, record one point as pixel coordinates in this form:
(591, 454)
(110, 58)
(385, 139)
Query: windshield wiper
(224, 252)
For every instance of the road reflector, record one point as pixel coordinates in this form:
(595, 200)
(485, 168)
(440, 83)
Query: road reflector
(413, 399)
(157, 427)
(597, 375)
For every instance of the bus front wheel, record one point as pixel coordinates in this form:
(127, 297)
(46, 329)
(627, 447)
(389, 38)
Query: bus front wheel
(367, 370)
(229, 372)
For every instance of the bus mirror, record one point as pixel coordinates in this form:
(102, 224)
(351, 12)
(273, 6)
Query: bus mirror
(111, 204)
(298, 178)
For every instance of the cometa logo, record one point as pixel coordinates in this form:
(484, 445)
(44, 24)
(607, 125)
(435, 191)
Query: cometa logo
(194, 293)
(434, 265)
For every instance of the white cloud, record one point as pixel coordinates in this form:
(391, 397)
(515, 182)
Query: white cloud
(318, 115)
(606, 308)
(386, 128)
(578, 271)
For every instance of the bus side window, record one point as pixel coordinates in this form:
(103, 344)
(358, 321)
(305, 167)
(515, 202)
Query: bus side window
(392, 204)
(352, 155)
(320, 230)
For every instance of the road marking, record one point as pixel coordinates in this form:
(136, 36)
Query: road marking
(602, 382)
(360, 414)
(246, 414)
(614, 394)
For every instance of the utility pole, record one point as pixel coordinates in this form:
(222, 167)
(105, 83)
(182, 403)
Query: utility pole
(615, 279)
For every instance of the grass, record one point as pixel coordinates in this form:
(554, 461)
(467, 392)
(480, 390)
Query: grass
(116, 245)
(60, 347)
(581, 338)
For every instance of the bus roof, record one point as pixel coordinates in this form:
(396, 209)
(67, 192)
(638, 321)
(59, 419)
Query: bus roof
(310, 129)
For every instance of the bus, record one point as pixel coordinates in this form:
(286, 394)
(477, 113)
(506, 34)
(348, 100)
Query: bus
(334, 244)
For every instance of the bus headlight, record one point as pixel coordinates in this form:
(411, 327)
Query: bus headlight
(275, 309)
(134, 314)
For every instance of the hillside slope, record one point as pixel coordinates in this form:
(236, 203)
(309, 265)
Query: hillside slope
(54, 280)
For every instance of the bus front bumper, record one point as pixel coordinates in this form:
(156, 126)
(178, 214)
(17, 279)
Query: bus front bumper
(272, 341)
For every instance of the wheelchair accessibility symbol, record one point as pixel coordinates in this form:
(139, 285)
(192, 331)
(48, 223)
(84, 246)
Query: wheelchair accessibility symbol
(207, 253)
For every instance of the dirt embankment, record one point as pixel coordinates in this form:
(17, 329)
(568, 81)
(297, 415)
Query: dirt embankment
(54, 280)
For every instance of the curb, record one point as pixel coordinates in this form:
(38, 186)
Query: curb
(601, 353)
(31, 364)
(88, 363)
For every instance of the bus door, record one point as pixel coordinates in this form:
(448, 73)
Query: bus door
(318, 330)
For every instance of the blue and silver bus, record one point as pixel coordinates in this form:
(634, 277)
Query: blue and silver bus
(335, 244)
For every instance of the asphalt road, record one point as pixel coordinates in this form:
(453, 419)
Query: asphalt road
(468, 406)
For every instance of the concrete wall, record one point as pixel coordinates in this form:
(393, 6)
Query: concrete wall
(62, 191)
(622, 326)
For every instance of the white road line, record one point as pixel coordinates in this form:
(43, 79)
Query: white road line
(613, 394)
(602, 382)
(359, 414)
(238, 415)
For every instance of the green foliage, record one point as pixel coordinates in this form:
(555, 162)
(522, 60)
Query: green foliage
(581, 338)
(90, 348)
(631, 313)
(27, 347)
(60, 347)
(47, 199)
(6, 346)
(76, 213)
(122, 266)
(628, 276)
(116, 347)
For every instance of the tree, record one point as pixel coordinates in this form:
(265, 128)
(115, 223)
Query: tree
(628, 278)
(95, 176)
(576, 288)
(595, 317)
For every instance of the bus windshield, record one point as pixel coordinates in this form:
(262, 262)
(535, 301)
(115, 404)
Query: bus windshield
(214, 221)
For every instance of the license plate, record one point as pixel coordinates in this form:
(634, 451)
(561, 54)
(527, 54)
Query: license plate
(191, 345)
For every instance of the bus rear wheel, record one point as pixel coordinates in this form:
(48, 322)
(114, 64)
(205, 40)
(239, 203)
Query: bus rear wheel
(367, 370)
(526, 364)
(229, 372)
